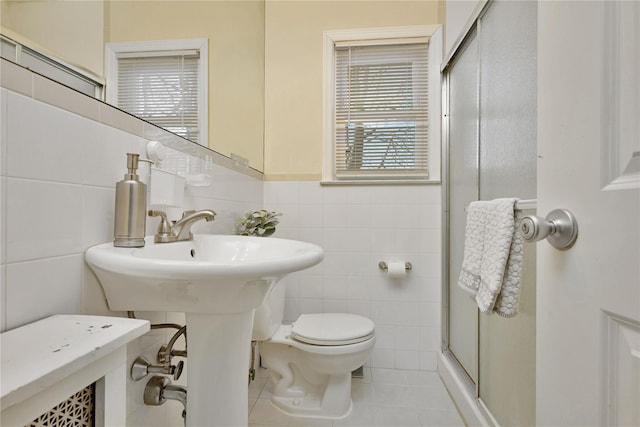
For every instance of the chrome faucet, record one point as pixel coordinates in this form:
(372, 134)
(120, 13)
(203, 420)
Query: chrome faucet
(181, 229)
(159, 389)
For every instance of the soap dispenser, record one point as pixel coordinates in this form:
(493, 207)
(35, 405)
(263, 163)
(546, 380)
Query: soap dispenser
(131, 208)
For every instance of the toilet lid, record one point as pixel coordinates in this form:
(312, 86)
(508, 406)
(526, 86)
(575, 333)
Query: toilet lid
(332, 329)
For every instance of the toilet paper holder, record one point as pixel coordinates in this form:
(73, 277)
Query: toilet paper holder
(383, 265)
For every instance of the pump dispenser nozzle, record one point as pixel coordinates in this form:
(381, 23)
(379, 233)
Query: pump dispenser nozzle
(132, 165)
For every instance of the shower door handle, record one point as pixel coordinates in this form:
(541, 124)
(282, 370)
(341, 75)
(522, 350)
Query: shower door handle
(560, 228)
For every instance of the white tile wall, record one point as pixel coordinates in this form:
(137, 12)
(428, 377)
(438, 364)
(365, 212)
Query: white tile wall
(40, 288)
(47, 149)
(358, 226)
(57, 177)
(44, 219)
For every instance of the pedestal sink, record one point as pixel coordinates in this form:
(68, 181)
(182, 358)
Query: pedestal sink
(218, 281)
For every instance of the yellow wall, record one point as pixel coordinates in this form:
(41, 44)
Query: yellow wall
(70, 30)
(293, 76)
(235, 30)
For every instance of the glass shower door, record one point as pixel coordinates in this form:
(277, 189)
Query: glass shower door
(491, 153)
(508, 147)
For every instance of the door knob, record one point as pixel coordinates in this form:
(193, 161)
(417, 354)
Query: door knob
(560, 228)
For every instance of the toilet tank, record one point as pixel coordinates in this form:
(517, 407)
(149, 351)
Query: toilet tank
(268, 316)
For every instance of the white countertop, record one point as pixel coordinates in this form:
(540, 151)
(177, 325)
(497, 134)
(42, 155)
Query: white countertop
(39, 355)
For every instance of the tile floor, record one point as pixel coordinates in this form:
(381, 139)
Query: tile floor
(383, 398)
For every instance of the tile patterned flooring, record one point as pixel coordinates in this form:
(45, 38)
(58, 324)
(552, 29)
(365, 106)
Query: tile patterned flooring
(383, 398)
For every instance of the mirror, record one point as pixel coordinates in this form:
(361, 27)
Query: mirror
(77, 31)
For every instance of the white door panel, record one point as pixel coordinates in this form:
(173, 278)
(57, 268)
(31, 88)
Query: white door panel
(589, 296)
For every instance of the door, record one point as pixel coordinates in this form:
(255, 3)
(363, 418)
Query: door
(588, 321)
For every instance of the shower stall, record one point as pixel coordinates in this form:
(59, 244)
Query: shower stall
(489, 123)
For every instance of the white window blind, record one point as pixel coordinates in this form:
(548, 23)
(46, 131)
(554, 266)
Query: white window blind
(161, 87)
(381, 115)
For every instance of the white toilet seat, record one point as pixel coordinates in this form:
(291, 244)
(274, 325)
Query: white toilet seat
(283, 336)
(332, 329)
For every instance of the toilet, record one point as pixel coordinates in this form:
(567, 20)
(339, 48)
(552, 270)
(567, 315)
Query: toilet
(310, 361)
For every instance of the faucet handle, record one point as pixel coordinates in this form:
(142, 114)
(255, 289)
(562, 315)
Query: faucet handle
(164, 226)
(163, 235)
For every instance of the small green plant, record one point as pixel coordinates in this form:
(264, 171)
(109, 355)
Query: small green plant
(258, 223)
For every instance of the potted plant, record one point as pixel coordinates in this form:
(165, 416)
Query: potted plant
(258, 223)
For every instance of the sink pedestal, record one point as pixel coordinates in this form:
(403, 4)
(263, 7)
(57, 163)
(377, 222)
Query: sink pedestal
(218, 368)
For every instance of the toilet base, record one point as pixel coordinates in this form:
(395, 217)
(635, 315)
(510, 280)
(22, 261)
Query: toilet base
(334, 404)
(285, 405)
(312, 381)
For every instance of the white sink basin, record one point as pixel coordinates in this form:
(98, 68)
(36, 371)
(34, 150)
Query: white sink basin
(209, 274)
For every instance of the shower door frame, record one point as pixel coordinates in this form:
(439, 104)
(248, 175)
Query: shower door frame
(472, 29)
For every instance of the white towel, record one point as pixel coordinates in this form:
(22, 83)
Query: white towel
(509, 296)
(492, 262)
(473, 247)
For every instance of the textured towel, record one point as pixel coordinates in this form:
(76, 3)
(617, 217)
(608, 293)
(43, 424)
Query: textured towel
(509, 296)
(473, 247)
(492, 261)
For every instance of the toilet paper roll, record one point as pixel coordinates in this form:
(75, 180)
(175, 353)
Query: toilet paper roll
(396, 270)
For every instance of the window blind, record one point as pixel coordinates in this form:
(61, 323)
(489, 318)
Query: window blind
(381, 117)
(161, 88)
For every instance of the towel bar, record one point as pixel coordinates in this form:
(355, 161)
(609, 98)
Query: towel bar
(521, 205)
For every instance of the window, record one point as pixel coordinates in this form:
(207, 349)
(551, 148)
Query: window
(381, 109)
(163, 82)
(377, 106)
